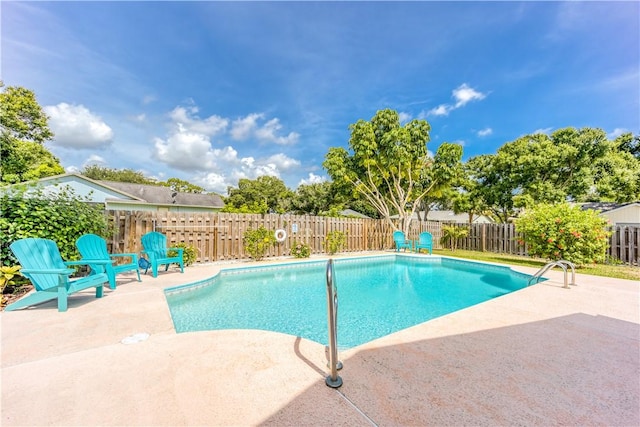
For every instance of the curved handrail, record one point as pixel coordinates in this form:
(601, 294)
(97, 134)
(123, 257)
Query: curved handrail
(560, 263)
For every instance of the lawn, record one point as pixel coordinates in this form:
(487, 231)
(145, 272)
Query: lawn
(605, 270)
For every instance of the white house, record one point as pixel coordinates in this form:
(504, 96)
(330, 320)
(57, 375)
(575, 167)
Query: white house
(131, 197)
(617, 213)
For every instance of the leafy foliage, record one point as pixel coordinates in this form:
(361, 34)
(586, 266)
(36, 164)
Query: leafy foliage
(7, 274)
(266, 194)
(24, 127)
(21, 117)
(300, 250)
(390, 166)
(189, 253)
(561, 231)
(183, 186)
(62, 217)
(100, 173)
(451, 234)
(335, 241)
(257, 242)
(570, 164)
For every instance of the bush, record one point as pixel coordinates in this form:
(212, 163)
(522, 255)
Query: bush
(335, 241)
(61, 217)
(189, 253)
(451, 234)
(257, 242)
(562, 231)
(300, 250)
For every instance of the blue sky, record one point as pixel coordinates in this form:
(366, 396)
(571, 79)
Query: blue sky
(212, 92)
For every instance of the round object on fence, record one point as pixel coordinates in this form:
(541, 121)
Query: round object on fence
(281, 235)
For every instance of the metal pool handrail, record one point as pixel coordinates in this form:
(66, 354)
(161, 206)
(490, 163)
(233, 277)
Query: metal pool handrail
(333, 380)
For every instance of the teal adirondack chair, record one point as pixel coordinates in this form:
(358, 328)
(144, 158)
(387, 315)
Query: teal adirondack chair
(401, 242)
(43, 266)
(155, 247)
(93, 247)
(425, 241)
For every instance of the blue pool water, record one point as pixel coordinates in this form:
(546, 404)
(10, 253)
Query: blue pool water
(377, 296)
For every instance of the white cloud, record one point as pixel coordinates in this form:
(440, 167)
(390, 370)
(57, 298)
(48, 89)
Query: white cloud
(188, 147)
(75, 126)
(185, 118)
(312, 179)
(463, 94)
(243, 128)
(485, 132)
(545, 131)
(404, 117)
(185, 150)
(617, 132)
(440, 110)
(93, 159)
(269, 131)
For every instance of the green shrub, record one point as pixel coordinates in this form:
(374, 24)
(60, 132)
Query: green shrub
(300, 250)
(61, 217)
(451, 234)
(562, 231)
(335, 241)
(189, 253)
(257, 242)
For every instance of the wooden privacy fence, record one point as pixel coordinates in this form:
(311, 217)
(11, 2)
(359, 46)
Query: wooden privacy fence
(218, 236)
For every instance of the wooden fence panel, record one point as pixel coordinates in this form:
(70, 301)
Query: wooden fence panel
(218, 236)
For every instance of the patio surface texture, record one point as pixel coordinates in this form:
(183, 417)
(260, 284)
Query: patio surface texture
(542, 356)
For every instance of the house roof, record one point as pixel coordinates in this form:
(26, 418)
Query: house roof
(164, 195)
(352, 213)
(603, 207)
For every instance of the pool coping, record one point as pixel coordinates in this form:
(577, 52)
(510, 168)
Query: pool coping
(539, 356)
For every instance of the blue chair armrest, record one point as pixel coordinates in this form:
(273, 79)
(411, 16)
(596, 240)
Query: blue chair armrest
(89, 261)
(65, 271)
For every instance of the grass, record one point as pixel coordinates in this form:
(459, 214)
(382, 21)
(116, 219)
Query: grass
(604, 270)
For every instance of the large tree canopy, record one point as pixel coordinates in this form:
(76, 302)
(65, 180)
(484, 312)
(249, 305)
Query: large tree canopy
(265, 194)
(389, 164)
(570, 164)
(24, 127)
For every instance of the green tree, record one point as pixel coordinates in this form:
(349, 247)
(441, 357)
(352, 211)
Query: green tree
(100, 173)
(257, 242)
(564, 231)
(313, 199)
(255, 194)
(24, 130)
(182, 186)
(451, 234)
(571, 164)
(389, 164)
(61, 216)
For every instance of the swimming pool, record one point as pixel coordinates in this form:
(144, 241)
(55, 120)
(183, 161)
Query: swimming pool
(377, 296)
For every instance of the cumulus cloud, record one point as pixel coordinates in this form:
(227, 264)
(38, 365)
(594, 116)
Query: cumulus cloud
(485, 132)
(617, 132)
(186, 119)
(75, 126)
(244, 127)
(544, 131)
(404, 117)
(462, 95)
(312, 179)
(189, 146)
(250, 127)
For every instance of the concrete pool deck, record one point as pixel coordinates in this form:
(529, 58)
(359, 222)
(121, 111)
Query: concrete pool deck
(542, 356)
